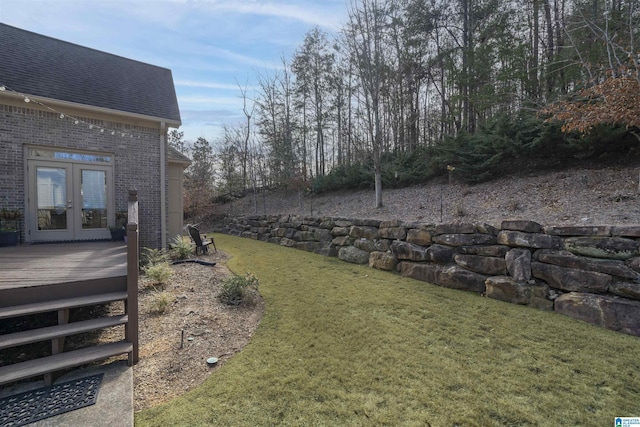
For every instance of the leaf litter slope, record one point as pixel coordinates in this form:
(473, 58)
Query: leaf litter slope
(600, 195)
(341, 344)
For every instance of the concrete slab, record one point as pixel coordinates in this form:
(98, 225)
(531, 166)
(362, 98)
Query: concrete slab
(113, 408)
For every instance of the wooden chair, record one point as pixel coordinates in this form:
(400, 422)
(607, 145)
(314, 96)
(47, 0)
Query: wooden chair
(200, 240)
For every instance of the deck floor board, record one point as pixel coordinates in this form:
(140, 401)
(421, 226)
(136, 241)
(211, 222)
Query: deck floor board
(45, 264)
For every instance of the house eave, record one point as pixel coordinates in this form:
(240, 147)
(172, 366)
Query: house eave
(179, 162)
(51, 102)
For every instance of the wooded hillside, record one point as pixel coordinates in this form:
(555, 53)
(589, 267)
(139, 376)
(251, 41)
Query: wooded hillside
(411, 88)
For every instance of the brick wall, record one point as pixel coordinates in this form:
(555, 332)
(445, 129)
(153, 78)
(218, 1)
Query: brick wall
(136, 159)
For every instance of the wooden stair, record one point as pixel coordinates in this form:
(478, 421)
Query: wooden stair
(60, 304)
(59, 359)
(57, 362)
(59, 331)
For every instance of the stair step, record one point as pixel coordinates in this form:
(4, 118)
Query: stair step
(59, 304)
(51, 332)
(57, 362)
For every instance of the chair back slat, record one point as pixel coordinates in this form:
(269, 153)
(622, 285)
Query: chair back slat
(195, 235)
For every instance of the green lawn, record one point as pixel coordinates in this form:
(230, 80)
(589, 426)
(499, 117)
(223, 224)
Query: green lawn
(342, 344)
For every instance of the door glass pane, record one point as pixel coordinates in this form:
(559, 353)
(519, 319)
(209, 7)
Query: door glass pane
(52, 197)
(93, 190)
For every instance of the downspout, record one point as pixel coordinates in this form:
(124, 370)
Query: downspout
(163, 184)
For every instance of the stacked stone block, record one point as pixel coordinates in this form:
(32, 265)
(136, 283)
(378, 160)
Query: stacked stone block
(589, 273)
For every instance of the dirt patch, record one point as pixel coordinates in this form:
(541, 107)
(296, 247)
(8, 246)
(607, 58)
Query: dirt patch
(175, 344)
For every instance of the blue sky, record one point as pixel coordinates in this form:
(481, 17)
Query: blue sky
(211, 46)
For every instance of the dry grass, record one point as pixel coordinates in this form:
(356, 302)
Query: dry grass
(347, 345)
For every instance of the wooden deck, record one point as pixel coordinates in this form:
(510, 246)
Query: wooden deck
(25, 266)
(60, 277)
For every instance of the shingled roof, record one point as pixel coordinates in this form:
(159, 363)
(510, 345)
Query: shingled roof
(175, 156)
(38, 65)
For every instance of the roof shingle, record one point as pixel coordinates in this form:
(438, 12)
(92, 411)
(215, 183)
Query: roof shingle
(38, 65)
(175, 156)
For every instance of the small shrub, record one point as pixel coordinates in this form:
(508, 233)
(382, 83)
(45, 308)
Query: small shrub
(181, 248)
(513, 206)
(152, 257)
(160, 273)
(160, 302)
(236, 290)
(459, 210)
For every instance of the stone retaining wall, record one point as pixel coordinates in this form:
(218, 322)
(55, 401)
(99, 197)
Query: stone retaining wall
(591, 273)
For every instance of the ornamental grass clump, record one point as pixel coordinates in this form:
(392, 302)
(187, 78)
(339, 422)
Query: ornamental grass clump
(155, 266)
(152, 257)
(159, 274)
(160, 302)
(236, 290)
(181, 248)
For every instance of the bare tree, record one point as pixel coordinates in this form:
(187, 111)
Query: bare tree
(313, 66)
(275, 124)
(248, 113)
(365, 35)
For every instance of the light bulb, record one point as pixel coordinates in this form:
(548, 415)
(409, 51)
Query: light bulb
(113, 132)
(101, 130)
(2, 88)
(26, 99)
(62, 116)
(76, 122)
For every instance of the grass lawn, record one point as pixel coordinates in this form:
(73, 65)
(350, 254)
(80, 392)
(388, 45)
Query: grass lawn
(342, 344)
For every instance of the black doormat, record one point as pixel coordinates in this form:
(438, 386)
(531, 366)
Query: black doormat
(35, 405)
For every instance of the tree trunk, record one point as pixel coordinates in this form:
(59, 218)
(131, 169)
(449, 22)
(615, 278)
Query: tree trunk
(550, 49)
(535, 61)
(378, 185)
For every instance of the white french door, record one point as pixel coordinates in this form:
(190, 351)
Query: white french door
(69, 201)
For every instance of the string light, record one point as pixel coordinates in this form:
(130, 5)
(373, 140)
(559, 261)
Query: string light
(76, 120)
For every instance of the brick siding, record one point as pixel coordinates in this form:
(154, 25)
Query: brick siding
(136, 159)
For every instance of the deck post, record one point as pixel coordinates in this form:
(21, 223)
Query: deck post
(57, 345)
(132, 276)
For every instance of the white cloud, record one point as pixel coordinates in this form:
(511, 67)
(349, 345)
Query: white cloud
(205, 115)
(208, 123)
(208, 85)
(212, 100)
(322, 13)
(212, 85)
(227, 54)
(309, 13)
